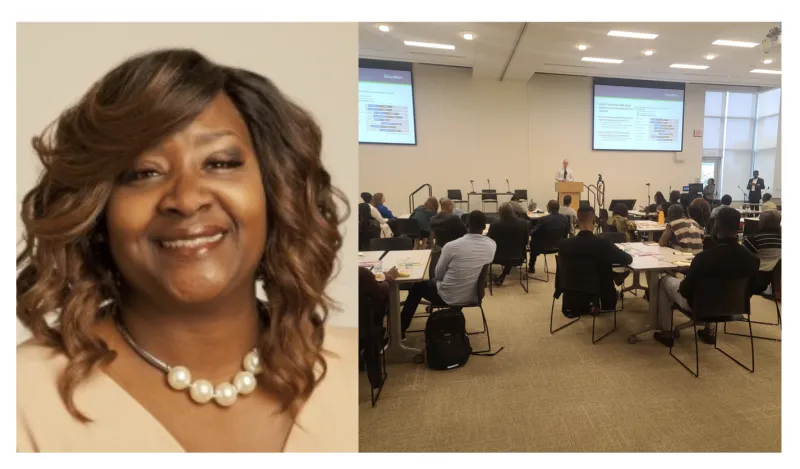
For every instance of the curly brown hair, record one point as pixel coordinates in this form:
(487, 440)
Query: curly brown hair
(66, 267)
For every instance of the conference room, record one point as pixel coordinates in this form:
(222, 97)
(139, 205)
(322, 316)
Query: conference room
(570, 237)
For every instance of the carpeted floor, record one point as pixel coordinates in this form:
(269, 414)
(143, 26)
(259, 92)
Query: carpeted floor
(559, 392)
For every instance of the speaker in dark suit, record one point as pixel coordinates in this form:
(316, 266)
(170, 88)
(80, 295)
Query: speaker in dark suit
(755, 185)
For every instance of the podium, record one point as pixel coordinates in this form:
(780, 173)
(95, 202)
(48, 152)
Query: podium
(573, 189)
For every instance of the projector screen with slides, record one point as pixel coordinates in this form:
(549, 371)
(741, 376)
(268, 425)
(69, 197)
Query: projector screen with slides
(637, 115)
(386, 102)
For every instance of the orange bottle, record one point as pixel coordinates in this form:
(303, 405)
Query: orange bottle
(660, 217)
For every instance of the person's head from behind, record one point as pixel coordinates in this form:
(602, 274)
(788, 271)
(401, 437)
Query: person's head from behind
(675, 212)
(769, 222)
(476, 222)
(167, 184)
(674, 197)
(705, 210)
(767, 197)
(727, 224)
(552, 206)
(567, 200)
(696, 214)
(586, 218)
(431, 204)
(505, 211)
(659, 198)
(620, 209)
(726, 200)
(447, 205)
(378, 199)
(685, 201)
(366, 197)
(514, 198)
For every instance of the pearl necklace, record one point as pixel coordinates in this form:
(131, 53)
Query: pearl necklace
(202, 391)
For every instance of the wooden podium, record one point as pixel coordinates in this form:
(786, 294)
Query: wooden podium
(573, 189)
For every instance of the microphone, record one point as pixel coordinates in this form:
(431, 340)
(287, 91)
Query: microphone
(472, 183)
(509, 186)
(647, 184)
(488, 182)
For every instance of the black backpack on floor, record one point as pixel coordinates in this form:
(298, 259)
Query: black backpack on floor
(446, 342)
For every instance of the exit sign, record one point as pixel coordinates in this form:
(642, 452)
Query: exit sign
(698, 133)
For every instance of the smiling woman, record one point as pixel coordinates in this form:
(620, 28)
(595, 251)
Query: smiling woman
(171, 192)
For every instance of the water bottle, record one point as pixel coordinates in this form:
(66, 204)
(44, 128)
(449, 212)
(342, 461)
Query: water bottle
(660, 217)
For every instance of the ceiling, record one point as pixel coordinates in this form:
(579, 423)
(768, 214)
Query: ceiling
(515, 51)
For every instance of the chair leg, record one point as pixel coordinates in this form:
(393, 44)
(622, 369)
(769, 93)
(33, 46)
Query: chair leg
(552, 308)
(546, 278)
(489, 279)
(776, 339)
(484, 331)
(752, 368)
(523, 272)
(696, 350)
(594, 319)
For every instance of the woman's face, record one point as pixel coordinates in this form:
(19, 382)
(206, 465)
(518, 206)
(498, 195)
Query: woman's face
(188, 221)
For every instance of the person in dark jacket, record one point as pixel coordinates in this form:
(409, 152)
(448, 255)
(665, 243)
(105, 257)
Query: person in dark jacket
(725, 259)
(423, 215)
(373, 297)
(511, 235)
(549, 230)
(368, 227)
(603, 253)
(445, 225)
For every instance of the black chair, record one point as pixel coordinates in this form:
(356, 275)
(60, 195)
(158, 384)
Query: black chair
(488, 196)
(372, 349)
(613, 236)
(579, 276)
(609, 228)
(481, 286)
(717, 300)
(464, 218)
(391, 244)
(551, 241)
(455, 196)
(409, 228)
(515, 256)
(750, 227)
(774, 296)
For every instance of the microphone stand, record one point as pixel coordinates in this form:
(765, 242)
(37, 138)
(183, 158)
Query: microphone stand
(472, 183)
(648, 195)
(509, 186)
(489, 182)
(745, 199)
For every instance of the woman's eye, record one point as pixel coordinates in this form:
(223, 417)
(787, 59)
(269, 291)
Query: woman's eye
(224, 164)
(139, 175)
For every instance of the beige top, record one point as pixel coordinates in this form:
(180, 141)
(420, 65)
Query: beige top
(328, 422)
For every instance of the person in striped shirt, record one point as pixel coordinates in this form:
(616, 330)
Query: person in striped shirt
(682, 233)
(766, 244)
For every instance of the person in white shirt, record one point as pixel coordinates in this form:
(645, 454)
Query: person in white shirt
(564, 174)
(386, 232)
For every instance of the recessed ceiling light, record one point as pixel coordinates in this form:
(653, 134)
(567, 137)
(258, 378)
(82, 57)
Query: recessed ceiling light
(429, 45)
(601, 60)
(632, 35)
(649, 52)
(725, 42)
(767, 72)
(710, 57)
(468, 36)
(766, 61)
(692, 67)
(582, 46)
(384, 27)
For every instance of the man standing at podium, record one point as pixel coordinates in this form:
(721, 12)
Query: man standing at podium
(564, 174)
(755, 186)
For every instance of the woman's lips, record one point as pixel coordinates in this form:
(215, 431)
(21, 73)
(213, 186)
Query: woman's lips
(192, 241)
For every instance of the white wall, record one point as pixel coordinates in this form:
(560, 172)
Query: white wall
(560, 126)
(56, 63)
(466, 129)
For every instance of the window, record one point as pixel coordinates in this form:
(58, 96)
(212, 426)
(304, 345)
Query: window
(740, 134)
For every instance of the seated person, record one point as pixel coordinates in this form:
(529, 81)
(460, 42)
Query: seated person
(457, 271)
(660, 203)
(519, 210)
(766, 244)
(386, 232)
(569, 212)
(511, 235)
(726, 259)
(703, 215)
(445, 225)
(681, 233)
(373, 299)
(585, 245)
(768, 203)
(725, 201)
(619, 219)
(368, 227)
(379, 201)
(674, 199)
(423, 215)
(550, 229)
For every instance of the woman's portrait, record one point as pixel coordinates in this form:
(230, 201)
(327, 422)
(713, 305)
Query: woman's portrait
(173, 270)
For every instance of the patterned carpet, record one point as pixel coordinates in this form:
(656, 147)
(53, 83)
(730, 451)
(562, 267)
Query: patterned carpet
(560, 393)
